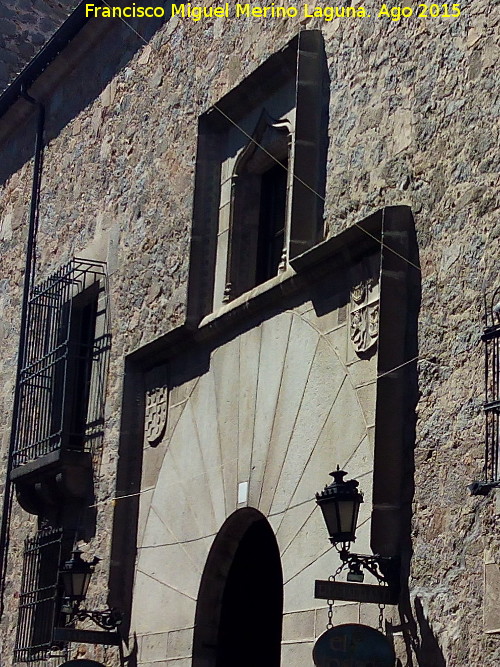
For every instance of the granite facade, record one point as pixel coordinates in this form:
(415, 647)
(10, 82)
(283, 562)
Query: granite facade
(413, 120)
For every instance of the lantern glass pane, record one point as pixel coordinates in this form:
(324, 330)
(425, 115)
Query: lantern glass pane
(330, 516)
(81, 583)
(347, 510)
(341, 517)
(356, 505)
(67, 580)
(78, 583)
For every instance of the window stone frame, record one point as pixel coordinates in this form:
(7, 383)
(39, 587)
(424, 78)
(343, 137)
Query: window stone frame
(301, 65)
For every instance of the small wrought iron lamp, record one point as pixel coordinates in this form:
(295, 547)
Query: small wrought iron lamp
(340, 502)
(75, 577)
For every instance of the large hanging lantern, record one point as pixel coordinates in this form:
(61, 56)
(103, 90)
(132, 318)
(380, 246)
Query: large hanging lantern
(340, 503)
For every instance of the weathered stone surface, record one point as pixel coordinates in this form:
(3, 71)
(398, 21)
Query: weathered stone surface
(297, 653)
(153, 647)
(180, 643)
(412, 119)
(25, 27)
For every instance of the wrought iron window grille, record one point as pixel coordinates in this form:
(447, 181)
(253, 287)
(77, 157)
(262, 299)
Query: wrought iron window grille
(491, 340)
(40, 600)
(62, 381)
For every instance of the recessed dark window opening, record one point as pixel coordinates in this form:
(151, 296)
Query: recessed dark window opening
(272, 221)
(259, 204)
(80, 354)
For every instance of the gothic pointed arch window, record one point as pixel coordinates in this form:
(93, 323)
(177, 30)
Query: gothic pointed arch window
(260, 176)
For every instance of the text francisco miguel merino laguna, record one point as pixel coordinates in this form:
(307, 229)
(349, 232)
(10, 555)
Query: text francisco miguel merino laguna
(197, 12)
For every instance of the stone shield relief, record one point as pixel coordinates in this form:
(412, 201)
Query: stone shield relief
(156, 414)
(364, 315)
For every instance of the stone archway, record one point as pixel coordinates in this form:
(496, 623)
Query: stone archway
(240, 600)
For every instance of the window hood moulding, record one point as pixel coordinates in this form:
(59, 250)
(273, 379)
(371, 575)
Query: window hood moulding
(315, 264)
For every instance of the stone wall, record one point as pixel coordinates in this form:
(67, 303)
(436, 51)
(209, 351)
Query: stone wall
(25, 26)
(413, 120)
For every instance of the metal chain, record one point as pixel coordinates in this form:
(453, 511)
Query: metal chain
(332, 577)
(330, 614)
(381, 608)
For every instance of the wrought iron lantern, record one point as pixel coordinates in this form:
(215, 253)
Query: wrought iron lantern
(340, 503)
(75, 576)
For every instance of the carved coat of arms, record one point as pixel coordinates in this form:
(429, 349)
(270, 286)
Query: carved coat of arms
(156, 414)
(364, 313)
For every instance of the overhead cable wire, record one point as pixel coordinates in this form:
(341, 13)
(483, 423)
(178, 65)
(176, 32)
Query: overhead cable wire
(286, 168)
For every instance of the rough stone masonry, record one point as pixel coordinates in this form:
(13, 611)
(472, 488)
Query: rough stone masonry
(413, 119)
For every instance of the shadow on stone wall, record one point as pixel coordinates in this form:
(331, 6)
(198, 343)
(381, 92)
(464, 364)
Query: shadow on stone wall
(428, 652)
(421, 646)
(126, 511)
(76, 89)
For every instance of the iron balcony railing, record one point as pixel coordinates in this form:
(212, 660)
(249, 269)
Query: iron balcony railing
(62, 379)
(39, 600)
(491, 339)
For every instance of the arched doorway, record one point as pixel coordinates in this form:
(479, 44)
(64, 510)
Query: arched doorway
(240, 601)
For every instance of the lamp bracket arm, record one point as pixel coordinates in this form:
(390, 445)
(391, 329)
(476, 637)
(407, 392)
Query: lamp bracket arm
(107, 619)
(384, 568)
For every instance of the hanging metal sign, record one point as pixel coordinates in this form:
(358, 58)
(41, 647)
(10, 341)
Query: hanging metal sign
(343, 590)
(86, 636)
(353, 645)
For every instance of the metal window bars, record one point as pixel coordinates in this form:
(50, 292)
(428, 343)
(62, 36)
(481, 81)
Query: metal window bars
(491, 339)
(62, 379)
(39, 600)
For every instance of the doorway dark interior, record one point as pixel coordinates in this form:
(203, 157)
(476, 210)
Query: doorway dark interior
(250, 624)
(240, 603)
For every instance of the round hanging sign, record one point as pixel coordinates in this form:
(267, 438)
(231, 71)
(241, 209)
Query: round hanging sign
(81, 663)
(353, 645)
